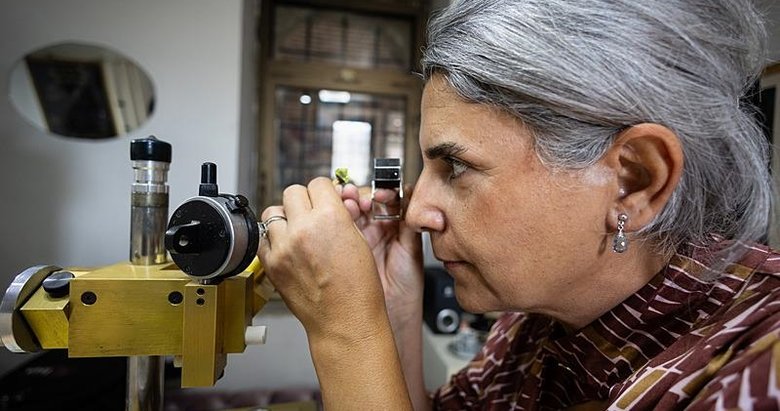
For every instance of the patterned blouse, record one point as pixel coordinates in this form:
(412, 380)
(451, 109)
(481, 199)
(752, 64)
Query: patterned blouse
(677, 343)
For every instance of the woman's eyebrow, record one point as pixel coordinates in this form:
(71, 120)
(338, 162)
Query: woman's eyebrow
(444, 150)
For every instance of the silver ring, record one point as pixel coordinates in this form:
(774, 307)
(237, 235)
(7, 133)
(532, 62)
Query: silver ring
(264, 224)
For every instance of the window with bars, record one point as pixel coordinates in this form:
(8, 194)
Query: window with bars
(317, 134)
(342, 38)
(337, 90)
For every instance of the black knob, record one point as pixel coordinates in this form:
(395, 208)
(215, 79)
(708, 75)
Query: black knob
(237, 203)
(199, 237)
(58, 284)
(241, 201)
(208, 173)
(150, 148)
(208, 180)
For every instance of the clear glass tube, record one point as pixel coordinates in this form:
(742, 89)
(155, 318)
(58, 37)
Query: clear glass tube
(149, 212)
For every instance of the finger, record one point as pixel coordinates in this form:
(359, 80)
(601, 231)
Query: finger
(296, 201)
(350, 192)
(350, 196)
(264, 246)
(410, 239)
(271, 211)
(365, 198)
(273, 224)
(365, 204)
(353, 208)
(322, 194)
(385, 195)
(263, 250)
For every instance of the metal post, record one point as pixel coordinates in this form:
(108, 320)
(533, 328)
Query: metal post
(145, 383)
(148, 220)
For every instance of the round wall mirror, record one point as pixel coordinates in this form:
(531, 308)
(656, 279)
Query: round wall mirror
(81, 90)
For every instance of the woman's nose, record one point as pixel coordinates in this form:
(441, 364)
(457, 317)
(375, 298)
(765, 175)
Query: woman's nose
(423, 213)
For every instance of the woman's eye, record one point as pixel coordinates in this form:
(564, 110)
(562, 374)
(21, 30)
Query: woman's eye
(457, 167)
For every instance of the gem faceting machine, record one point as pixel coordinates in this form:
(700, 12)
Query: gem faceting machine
(197, 308)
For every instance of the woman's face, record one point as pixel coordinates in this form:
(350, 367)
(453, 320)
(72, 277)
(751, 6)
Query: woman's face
(513, 234)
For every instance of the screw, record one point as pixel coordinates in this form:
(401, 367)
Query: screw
(241, 201)
(88, 298)
(175, 298)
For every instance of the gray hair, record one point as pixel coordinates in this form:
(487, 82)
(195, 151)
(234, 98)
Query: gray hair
(578, 72)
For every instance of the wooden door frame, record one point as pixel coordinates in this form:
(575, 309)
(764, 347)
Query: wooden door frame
(274, 74)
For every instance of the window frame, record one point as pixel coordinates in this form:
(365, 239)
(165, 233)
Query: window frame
(273, 74)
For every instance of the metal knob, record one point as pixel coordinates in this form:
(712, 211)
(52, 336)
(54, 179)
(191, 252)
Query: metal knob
(58, 284)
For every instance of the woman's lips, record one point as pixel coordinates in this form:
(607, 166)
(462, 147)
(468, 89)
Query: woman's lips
(453, 265)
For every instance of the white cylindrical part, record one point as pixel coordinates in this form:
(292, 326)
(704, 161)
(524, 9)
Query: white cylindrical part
(255, 335)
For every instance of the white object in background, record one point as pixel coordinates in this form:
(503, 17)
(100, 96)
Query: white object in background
(352, 150)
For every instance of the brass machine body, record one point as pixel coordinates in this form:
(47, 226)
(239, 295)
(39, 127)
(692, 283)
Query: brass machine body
(143, 307)
(129, 310)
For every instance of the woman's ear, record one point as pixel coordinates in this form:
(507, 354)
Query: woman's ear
(648, 161)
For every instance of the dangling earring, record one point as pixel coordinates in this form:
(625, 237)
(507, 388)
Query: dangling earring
(620, 242)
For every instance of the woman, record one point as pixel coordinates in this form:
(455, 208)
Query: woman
(590, 169)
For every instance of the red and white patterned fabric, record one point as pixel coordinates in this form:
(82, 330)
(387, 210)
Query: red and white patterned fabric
(678, 343)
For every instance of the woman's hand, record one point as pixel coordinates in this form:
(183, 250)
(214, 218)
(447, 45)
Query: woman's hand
(323, 268)
(397, 251)
(320, 263)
